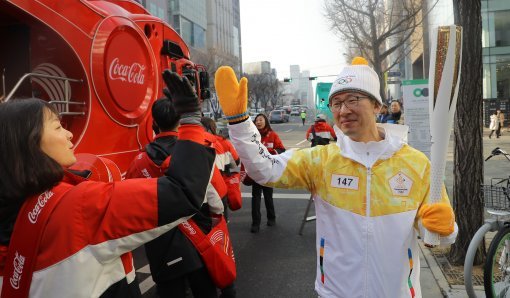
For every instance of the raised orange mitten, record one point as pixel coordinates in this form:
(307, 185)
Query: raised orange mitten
(232, 95)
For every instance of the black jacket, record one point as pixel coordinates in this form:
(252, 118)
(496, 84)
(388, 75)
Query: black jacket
(172, 255)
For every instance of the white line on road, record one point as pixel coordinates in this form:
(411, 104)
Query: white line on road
(289, 130)
(299, 196)
(145, 269)
(174, 261)
(305, 140)
(146, 284)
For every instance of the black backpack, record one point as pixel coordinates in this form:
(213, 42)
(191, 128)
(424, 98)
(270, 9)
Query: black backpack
(317, 140)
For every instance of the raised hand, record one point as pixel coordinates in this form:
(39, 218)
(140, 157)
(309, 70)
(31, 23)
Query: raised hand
(180, 91)
(232, 95)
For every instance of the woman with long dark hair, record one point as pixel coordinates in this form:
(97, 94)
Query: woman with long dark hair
(64, 236)
(274, 145)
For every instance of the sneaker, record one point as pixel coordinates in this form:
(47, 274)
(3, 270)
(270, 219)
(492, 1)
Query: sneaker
(255, 229)
(271, 222)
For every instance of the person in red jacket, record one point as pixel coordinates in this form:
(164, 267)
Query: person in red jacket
(171, 276)
(230, 167)
(323, 132)
(81, 231)
(274, 145)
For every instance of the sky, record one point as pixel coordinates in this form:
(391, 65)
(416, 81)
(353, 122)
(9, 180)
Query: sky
(288, 32)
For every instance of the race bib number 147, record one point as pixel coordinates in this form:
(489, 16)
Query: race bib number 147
(344, 181)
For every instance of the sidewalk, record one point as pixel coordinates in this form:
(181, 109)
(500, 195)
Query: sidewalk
(434, 283)
(433, 280)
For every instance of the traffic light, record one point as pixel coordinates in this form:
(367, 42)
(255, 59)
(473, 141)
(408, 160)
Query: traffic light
(312, 78)
(287, 80)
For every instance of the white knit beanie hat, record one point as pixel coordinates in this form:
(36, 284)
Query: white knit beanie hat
(358, 77)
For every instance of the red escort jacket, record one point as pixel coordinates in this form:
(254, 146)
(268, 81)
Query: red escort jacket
(322, 129)
(272, 142)
(173, 247)
(96, 223)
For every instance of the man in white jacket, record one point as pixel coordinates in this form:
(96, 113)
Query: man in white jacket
(371, 189)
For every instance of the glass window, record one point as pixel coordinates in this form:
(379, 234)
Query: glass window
(198, 36)
(186, 30)
(486, 81)
(161, 14)
(235, 41)
(174, 5)
(153, 9)
(496, 76)
(487, 29)
(501, 28)
(503, 76)
(177, 23)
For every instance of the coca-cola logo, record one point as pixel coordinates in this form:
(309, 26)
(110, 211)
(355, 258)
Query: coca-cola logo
(188, 227)
(41, 202)
(133, 73)
(18, 263)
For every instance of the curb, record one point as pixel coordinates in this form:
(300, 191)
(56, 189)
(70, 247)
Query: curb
(441, 281)
(448, 291)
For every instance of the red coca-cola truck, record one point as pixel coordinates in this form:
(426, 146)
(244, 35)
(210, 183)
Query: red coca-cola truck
(98, 62)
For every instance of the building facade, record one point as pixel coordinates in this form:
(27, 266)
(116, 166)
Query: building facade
(300, 87)
(211, 28)
(259, 67)
(496, 49)
(224, 32)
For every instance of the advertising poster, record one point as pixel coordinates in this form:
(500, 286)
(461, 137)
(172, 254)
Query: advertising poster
(416, 114)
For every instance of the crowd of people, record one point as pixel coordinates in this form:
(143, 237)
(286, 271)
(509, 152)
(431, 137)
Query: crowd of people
(83, 231)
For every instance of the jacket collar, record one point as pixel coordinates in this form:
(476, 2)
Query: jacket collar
(166, 134)
(368, 153)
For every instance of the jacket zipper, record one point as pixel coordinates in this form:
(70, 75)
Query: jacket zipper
(369, 178)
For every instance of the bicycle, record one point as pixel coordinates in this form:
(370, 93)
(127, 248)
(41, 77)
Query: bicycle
(497, 265)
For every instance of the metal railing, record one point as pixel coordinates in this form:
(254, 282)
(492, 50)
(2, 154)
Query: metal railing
(64, 104)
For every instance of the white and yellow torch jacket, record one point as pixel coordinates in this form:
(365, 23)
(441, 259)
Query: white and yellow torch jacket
(366, 200)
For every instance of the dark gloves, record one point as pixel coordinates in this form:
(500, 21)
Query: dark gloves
(181, 93)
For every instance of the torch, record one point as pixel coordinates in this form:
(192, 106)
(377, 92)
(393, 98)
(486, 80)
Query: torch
(444, 76)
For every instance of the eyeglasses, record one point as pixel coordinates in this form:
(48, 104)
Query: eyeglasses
(350, 102)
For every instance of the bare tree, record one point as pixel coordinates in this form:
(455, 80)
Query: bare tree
(263, 89)
(377, 29)
(212, 60)
(468, 176)
(275, 92)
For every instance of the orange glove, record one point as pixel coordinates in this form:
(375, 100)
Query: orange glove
(437, 218)
(232, 95)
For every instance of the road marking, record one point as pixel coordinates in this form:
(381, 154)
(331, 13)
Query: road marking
(174, 261)
(145, 269)
(146, 284)
(299, 196)
(305, 140)
(288, 130)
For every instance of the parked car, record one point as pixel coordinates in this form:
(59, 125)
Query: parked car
(253, 115)
(295, 111)
(278, 116)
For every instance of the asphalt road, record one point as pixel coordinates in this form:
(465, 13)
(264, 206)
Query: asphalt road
(276, 262)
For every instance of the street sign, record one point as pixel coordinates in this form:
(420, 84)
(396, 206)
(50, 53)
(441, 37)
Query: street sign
(393, 73)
